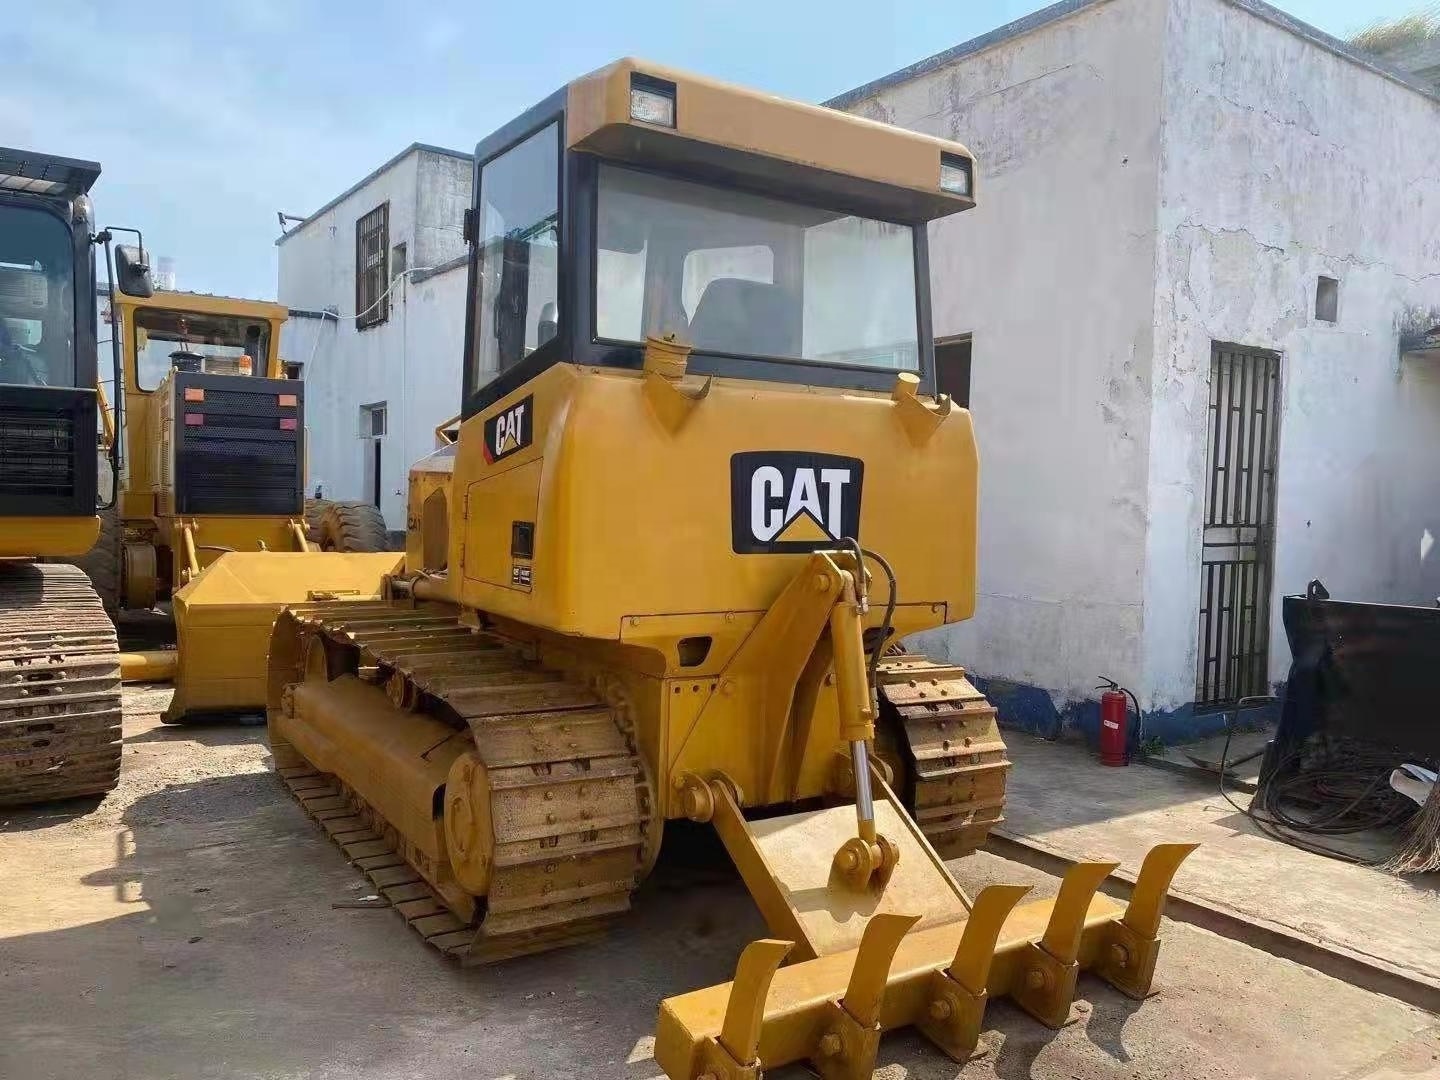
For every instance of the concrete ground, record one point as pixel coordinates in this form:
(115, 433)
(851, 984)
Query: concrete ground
(1061, 800)
(186, 927)
(1205, 755)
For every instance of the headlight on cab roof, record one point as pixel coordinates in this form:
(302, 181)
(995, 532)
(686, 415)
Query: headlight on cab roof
(956, 174)
(652, 100)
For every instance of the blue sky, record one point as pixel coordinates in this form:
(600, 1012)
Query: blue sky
(209, 117)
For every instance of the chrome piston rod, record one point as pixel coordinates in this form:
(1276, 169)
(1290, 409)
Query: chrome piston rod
(864, 800)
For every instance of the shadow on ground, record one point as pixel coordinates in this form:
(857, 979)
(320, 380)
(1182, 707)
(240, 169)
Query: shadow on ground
(221, 732)
(45, 815)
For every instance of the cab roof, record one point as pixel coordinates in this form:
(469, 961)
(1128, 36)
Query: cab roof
(732, 134)
(32, 173)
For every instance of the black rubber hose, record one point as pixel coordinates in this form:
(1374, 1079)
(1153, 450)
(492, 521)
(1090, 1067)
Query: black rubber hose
(886, 624)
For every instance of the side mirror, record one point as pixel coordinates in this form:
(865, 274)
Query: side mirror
(132, 272)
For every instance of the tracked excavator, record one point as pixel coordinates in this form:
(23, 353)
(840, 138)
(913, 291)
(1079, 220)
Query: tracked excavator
(210, 449)
(702, 485)
(59, 662)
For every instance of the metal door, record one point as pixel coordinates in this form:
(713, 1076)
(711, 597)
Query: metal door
(1237, 543)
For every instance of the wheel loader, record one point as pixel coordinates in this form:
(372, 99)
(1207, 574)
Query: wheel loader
(702, 487)
(210, 435)
(59, 662)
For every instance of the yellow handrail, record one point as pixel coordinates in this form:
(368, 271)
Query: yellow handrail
(443, 437)
(107, 418)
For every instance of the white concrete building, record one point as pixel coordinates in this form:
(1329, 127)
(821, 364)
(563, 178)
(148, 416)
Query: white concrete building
(1169, 189)
(1175, 197)
(377, 385)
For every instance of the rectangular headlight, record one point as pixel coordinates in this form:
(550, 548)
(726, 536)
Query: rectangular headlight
(955, 174)
(652, 100)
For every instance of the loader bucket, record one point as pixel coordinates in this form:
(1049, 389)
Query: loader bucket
(917, 953)
(224, 615)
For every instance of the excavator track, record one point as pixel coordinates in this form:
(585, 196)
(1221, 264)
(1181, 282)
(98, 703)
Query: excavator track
(952, 758)
(570, 801)
(59, 686)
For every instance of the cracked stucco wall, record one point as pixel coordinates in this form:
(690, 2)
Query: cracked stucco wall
(1281, 161)
(1053, 274)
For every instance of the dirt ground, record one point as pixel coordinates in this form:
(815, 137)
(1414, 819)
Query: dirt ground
(184, 927)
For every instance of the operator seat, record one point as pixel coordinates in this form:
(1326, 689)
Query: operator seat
(751, 318)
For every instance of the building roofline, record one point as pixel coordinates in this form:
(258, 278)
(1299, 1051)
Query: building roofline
(415, 147)
(1342, 49)
(1065, 8)
(1034, 21)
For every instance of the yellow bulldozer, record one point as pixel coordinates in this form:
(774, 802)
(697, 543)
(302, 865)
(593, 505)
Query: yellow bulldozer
(210, 449)
(59, 662)
(702, 486)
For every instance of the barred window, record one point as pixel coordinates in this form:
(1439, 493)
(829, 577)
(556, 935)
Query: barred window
(372, 271)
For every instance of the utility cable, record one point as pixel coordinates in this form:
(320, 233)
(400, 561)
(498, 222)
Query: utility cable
(1327, 788)
(339, 317)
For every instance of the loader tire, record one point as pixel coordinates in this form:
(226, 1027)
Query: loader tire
(102, 563)
(351, 527)
(314, 511)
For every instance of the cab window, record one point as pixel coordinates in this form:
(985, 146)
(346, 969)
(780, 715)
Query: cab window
(37, 304)
(187, 341)
(751, 276)
(517, 284)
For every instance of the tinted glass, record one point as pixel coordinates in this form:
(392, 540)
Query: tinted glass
(517, 306)
(37, 299)
(752, 276)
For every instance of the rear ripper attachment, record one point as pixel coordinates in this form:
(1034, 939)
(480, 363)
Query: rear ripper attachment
(916, 970)
(883, 935)
(500, 808)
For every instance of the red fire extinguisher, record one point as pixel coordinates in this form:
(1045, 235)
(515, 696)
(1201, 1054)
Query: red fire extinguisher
(1115, 722)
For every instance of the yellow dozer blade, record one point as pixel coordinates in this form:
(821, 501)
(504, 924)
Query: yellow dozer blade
(911, 950)
(224, 615)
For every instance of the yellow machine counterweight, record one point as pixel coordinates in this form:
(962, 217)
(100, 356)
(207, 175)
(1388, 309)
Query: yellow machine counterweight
(700, 487)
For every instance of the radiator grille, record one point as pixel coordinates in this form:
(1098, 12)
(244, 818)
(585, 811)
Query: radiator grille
(238, 445)
(233, 404)
(226, 472)
(37, 454)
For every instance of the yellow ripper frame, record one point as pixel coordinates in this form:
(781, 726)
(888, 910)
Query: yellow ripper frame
(831, 1010)
(897, 943)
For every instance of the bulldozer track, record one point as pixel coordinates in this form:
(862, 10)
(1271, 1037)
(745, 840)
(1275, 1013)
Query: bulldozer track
(59, 686)
(953, 756)
(570, 802)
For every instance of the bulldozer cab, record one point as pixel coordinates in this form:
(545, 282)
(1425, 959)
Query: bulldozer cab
(623, 208)
(48, 410)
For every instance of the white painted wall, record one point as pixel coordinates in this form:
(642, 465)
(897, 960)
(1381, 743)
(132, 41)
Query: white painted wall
(1053, 274)
(442, 195)
(1282, 161)
(412, 361)
(1155, 176)
(317, 259)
